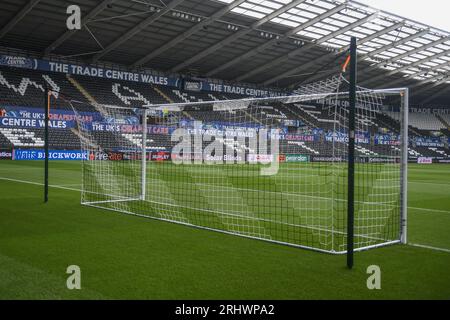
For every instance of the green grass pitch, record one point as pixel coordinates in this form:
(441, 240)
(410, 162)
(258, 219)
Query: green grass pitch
(126, 257)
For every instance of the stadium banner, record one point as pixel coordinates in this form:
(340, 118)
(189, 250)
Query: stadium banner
(260, 158)
(6, 154)
(219, 125)
(129, 128)
(326, 159)
(23, 117)
(293, 123)
(203, 158)
(36, 154)
(227, 158)
(192, 85)
(33, 123)
(382, 159)
(434, 110)
(186, 157)
(424, 160)
(387, 139)
(297, 158)
(198, 85)
(106, 156)
(229, 132)
(160, 156)
(88, 71)
(361, 137)
(299, 137)
(282, 134)
(207, 86)
(241, 90)
(428, 142)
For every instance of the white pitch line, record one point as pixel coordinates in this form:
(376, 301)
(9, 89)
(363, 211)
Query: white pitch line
(430, 210)
(429, 247)
(427, 182)
(38, 184)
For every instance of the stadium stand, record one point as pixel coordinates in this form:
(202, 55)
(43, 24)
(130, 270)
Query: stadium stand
(445, 118)
(421, 121)
(22, 137)
(20, 87)
(25, 88)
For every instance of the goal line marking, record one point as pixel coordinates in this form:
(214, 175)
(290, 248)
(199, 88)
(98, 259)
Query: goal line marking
(430, 210)
(432, 183)
(429, 247)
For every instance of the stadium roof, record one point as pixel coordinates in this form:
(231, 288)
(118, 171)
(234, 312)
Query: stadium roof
(277, 43)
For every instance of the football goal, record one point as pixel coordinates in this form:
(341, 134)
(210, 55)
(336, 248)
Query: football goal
(274, 169)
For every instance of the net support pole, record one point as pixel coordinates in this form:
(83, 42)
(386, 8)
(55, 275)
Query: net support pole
(46, 153)
(144, 156)
(404, 167)
(351, 154)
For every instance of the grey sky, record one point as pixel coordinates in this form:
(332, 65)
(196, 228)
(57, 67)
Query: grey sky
(435, 13)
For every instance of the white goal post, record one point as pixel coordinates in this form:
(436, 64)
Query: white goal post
(272, 169)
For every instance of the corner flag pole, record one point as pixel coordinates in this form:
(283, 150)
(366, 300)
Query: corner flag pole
(351, 154)
(47, 118)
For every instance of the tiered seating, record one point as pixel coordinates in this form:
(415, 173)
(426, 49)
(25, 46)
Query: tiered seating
(440, 152)
(5, 142)
(34, 138)
(154, 142)
(421, 121)
(389, 123)
(22, 137)
(271, 112)
(59, 139)
(431, 152)
(446, 119)
(110, 140)
(120, 93)
(365, 151)
(159, 142)
(195, 96)
(303, 148)
(25, 88)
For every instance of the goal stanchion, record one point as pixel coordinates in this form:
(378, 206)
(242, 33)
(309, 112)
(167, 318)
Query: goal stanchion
(46, 142)
(144, 155)
(404, 112)
(351, 153)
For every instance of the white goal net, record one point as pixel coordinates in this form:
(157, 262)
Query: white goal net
(271, 168)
